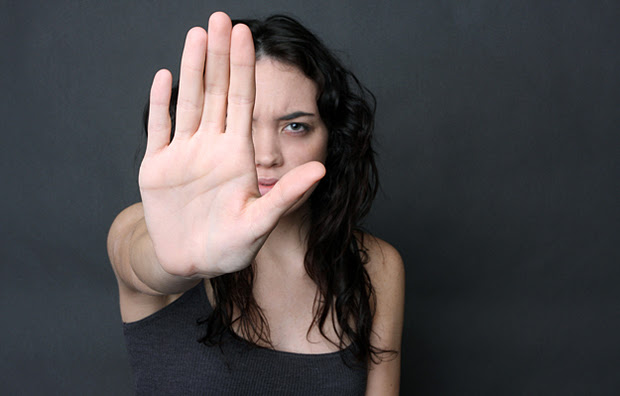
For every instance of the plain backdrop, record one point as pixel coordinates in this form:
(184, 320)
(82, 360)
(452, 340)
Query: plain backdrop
(497, 131)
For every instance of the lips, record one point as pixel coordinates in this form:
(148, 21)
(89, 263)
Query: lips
(265, 184)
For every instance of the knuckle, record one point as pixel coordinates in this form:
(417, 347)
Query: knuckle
(215, 89)
(194, 68)
(188, 104)
(240, 99)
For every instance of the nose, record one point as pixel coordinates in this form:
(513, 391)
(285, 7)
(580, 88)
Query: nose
(267, 150)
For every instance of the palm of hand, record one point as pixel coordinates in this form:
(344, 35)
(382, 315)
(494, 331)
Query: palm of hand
(201, 202)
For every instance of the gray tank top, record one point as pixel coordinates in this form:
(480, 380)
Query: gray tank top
(167, 359)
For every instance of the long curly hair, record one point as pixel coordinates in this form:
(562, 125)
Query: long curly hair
(335, 258)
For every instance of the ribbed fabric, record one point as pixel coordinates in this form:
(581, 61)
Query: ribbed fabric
(167, 359)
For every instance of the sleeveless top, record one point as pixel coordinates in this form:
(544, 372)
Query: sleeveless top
(167, 359)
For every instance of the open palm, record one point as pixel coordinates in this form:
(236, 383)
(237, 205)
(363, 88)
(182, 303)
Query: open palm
(202, 206)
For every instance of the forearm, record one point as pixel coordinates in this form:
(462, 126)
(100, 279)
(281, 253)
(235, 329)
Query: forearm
(147, 268)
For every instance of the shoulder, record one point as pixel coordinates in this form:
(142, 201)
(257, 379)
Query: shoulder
(386, 271)
(387, 275)
(385, 265)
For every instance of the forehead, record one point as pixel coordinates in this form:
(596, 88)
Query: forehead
(282, 88)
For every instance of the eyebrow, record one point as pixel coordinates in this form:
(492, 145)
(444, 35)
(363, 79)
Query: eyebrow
(294, 115)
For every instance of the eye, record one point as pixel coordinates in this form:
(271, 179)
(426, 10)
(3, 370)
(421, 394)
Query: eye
(297, 128)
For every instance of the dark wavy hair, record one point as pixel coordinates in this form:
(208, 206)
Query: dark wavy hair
(335, 258)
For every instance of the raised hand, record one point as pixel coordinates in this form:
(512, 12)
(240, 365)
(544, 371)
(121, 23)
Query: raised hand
(202, 206)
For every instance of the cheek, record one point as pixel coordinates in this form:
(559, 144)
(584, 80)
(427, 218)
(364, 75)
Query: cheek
(306, 152)
(319, 154)
(319, 148)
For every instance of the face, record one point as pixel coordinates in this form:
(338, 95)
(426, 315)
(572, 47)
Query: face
(286, 128)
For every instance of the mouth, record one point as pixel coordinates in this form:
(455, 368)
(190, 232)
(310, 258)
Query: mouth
(266, 184)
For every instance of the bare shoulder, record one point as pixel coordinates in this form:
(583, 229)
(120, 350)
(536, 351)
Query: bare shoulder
(385, 265)
(387, 274)
(386, 270)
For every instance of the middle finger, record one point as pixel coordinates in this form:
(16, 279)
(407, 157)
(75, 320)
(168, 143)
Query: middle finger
(217, 72)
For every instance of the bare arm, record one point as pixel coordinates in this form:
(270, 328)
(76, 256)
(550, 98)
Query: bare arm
(144, 287)
(386, 271)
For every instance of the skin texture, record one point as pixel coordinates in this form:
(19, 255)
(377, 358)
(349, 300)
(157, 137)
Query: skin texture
(231, 188)
(287, 131)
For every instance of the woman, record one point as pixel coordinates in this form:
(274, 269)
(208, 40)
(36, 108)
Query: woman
(247, 236)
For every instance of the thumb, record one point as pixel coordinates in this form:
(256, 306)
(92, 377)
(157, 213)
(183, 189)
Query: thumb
(289, 190)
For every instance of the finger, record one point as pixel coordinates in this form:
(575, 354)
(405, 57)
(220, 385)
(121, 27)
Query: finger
(158, 126)
(285, 194)
(242, 89)
(190, 100)
(217, 73)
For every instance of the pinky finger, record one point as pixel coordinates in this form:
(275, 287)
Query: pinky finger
(159, 124)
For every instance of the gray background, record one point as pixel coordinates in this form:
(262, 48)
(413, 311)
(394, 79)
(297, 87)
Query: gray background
(497, 127)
